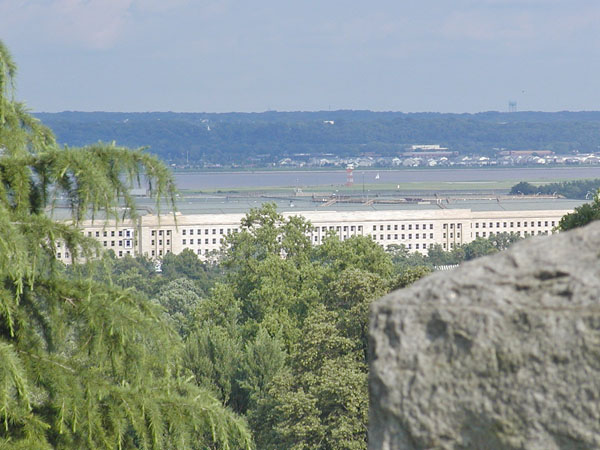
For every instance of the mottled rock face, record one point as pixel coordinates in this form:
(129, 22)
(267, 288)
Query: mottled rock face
(501, 353)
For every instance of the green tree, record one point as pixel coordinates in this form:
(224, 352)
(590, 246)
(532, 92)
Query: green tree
(180, 299)
(582, 215)
(321, 400)
(437, 256)
(264, 358)
(581, 189)
(523, 188)
(185, 264)
(501, 241)
(214, 354)
(270, 273)
(137, 273)
(402, 258)
(85, 364)
(359, 252)
(477, 248)
(410, 275)
(288, 331)
(350, 296)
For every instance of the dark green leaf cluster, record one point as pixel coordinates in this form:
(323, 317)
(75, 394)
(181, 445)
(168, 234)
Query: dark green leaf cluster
(417, 263)
(85, 363)
(582, 215)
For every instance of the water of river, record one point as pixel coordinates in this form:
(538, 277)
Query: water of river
(258, 179)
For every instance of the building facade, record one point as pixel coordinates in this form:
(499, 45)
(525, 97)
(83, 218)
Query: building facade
(418, 230)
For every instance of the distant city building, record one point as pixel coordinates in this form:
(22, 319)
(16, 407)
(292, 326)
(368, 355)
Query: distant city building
(526, 153)
(430, 154)
(428, 148)
(428, 151)
(417, 229)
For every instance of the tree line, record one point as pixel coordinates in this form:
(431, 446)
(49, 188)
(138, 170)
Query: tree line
(250, 138)
(578, 189)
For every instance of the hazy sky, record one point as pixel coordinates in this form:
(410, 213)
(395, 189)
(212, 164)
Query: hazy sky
(225, 55)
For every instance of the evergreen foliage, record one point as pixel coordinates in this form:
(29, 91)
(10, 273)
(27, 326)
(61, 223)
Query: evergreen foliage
(84, 363)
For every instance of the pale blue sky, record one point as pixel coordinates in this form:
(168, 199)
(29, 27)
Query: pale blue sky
(225, 55)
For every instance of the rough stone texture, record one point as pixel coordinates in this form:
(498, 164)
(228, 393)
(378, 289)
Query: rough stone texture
(501, 353)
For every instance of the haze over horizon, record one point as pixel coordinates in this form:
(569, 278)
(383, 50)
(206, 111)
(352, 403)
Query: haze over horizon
(222, 56)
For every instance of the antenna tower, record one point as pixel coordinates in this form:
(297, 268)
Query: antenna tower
(349, 175)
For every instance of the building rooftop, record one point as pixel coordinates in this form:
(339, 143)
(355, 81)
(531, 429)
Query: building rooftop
(290, 205)
(224, 205)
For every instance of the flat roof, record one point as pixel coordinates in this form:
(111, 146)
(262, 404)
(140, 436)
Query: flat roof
(224, 205)
(297, 205)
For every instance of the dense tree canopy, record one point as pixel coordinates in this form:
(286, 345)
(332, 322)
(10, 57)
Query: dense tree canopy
(410, 264)
(85, 363)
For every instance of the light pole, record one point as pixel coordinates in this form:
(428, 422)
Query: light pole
(363, 183)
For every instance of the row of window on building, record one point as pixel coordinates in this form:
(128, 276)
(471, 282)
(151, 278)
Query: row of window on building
(403, 236)
(67, 255)
(376, 227)
(127, 243)
(402, 226)
(326, 228)
(323, 228)
(546, 223)
(445, 235)
(520, 233)
(111, 233)
(160, 252)
(198, 231)
(197, 241)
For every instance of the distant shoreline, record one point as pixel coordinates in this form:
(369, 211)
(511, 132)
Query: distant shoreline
(359, 170)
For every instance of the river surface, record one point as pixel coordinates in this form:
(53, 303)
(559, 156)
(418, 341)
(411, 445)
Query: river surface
(232, 180)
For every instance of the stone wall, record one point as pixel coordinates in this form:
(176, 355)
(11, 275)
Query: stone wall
(500, 353)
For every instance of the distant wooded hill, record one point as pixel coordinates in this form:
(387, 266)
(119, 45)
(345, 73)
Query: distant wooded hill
(248, 137)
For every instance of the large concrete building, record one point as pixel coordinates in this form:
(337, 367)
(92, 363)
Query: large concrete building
(418, 227)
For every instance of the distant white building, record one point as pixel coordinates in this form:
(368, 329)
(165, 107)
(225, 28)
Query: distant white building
(427, 148)
(417, 229)
(411, 162)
